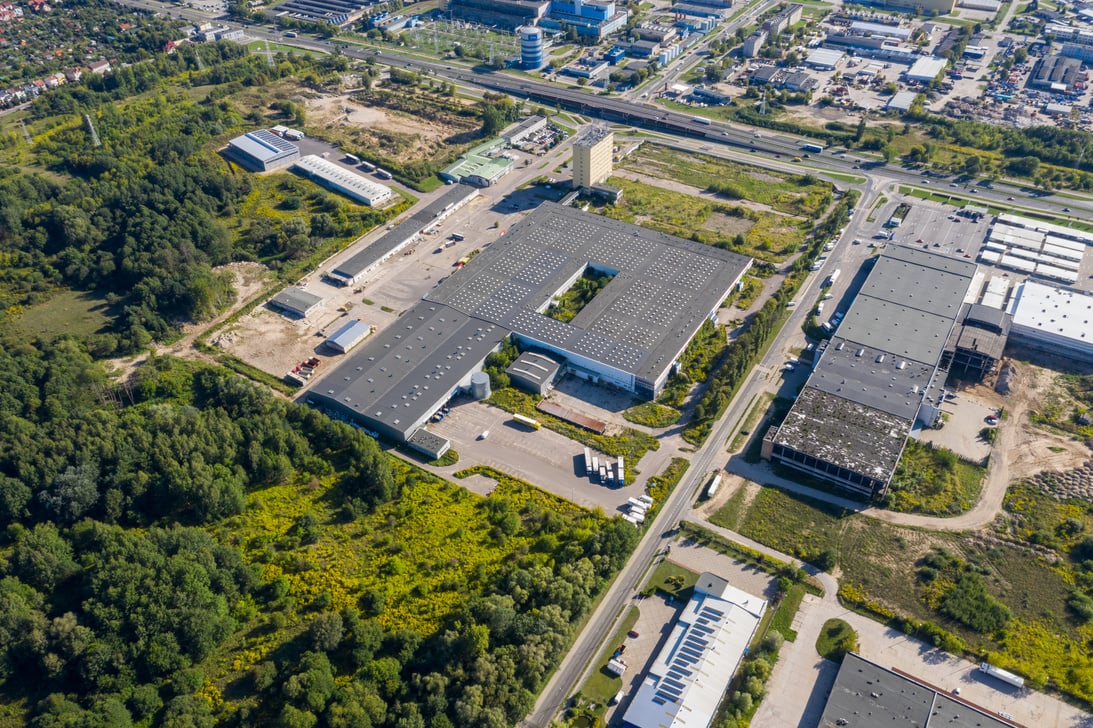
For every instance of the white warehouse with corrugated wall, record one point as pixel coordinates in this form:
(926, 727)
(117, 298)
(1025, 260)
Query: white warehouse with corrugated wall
(338, 178)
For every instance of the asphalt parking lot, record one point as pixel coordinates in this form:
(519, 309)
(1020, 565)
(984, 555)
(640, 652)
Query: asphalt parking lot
(543, 457)
(966, 418)
(940, 229)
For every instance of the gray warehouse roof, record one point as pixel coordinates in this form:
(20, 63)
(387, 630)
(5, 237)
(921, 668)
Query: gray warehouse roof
(864, 394)
(864, 688)
(908, 304)
(295, 300)
(663, 289)
(263, 145)
(397, 377)
(534, 367)
(872, 377)
(408, 228)
(838, 430)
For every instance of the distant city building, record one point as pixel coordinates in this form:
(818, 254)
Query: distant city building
(532, 47)
(784, 18)
(332, 12)
(754, 43)
(590, 18)
(592, 156)
(689, 676)
(1057, 74)
(927, 7)
(508, 14)
(261, 151)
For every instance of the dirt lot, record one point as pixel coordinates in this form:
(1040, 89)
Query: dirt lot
(1035, 450)
(337, 110)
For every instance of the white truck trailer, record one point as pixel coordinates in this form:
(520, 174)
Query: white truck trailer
(1004, 675)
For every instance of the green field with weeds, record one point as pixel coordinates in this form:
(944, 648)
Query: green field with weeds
(1022, 592)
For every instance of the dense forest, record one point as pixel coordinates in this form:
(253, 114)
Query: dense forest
(138, 210)
(119, 593)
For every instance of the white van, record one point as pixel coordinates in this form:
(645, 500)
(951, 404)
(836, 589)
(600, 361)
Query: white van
(484, 435)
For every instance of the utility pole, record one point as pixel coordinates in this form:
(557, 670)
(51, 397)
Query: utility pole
(94, 134)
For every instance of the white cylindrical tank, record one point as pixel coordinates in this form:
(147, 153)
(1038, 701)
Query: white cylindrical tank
(480, 385)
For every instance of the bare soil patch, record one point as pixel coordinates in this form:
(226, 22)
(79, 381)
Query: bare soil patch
(727, 224)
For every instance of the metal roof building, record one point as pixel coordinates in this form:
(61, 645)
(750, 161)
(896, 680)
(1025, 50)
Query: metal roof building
(480, 166)
(864, 688)
(687, 679)
(878, 375)
(296, 302)
(406, 372)
(261, 151)
(392, 241)
(354, 186)
(926, 69)
(348, 336)
(630, 335)
(522, 130)
(634, 330)
(824, 59)
(1059, 320)
(902, 101)
(534, 371)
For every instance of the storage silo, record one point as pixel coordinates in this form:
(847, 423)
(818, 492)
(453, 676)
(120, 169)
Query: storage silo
(480, 385)
(532, 43)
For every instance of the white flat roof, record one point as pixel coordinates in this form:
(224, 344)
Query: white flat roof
(1047, 227)
(926, 69)
(1061, 312)
(687, 679)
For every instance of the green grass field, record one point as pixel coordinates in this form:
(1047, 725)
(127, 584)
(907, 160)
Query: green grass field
(934, 481)
(78, 313)
(791, 194)
(766, 235)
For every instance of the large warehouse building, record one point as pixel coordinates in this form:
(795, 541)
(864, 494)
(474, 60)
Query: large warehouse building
(1058, 320)
(630, 335)
(866, 694)
(358, 266)
(335, 177)
(687, 680)
(878, 376)
(261, 151)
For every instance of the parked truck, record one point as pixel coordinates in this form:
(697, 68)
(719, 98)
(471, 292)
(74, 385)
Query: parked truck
(620, 472)
(587, 461)
(1004, 675)
(831, 280)
(595, 467)
(715, 483)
